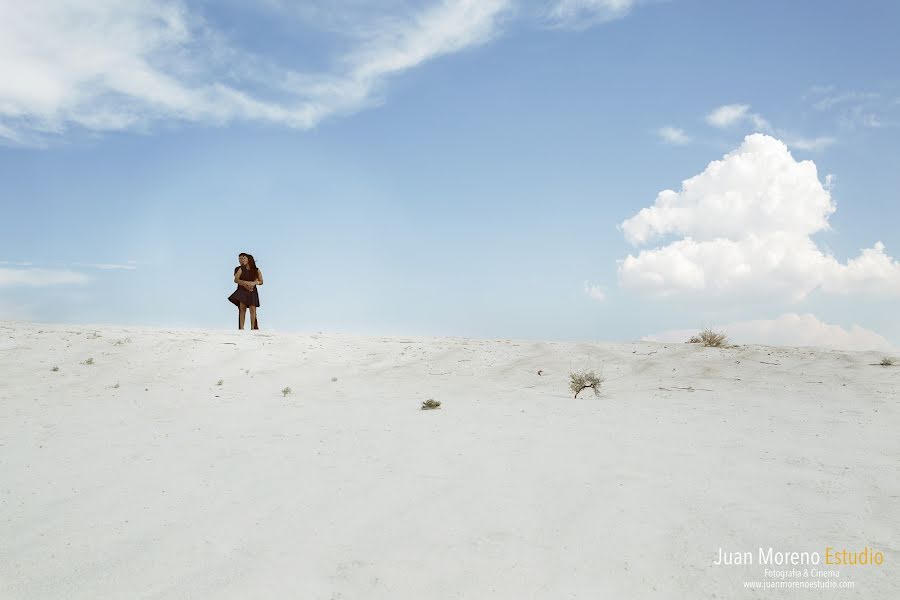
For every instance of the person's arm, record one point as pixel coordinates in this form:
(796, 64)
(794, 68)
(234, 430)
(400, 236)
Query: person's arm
(259, 279)
(247, 285)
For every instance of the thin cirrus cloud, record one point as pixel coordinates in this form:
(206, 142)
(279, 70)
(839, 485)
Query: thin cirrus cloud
(16, 263)
(581, 14)
(129, 266)
(673, 135)
(829, 100)
(790, 330)
(816, 144)
(743, 227)
(854, 108)
(731, 115)
(124, 64)
(41, 277)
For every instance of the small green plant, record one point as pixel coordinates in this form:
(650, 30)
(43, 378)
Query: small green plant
(286, 391)
(54, 369)
(89, 361)
(887, 362)
(584, 380)
(430, 404)
(220, 382)
(709, 338)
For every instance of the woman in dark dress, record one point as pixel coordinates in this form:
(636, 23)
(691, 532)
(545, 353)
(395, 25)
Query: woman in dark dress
(247, 276)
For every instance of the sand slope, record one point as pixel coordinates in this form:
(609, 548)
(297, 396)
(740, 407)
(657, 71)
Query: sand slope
(170, 486)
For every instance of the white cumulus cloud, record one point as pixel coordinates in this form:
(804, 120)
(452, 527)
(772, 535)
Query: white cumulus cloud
(743, 227)
(790, 330)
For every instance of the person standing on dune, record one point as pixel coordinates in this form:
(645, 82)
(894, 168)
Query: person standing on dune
(247, 276)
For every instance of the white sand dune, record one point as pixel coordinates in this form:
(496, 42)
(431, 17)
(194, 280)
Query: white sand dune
(170, 486)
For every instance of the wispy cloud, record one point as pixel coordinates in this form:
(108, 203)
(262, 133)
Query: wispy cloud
(732, 115)
(125, 64)
(673, 135)
(41, 277)
(130, 266)
(15, 263)
(581, 14)
(595, 291)
(854, 108)
(815, 144)
(830, 101)
(729, 115)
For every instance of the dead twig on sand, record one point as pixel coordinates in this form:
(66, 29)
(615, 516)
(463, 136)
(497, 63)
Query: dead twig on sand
(686, 389)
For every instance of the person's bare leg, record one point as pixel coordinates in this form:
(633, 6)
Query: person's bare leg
(242, 313)
(253, 324)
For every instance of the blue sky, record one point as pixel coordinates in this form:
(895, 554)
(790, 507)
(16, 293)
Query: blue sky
(457, 168)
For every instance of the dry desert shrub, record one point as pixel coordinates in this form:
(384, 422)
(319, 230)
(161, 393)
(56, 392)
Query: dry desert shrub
(709, 338)
(887, 362)
(430, 404)
(584, 380)
(89, 361)
(286, 391)
(54, 369)
(220, 382)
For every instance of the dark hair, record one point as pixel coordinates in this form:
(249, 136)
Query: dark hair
(251, 263)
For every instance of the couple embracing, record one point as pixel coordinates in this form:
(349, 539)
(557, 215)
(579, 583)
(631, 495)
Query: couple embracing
(247, 276)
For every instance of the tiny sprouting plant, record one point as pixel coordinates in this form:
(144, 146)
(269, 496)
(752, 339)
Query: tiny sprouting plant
(54, 369)
(89, 361)
(286, 391)
(430, 404)
(582, 381)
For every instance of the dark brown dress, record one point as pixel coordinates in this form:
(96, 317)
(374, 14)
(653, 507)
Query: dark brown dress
(242, 294)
